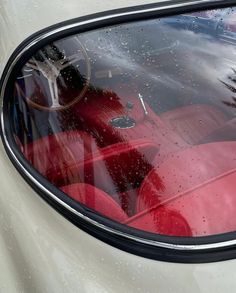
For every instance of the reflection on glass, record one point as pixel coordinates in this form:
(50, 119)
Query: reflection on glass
(137, 121)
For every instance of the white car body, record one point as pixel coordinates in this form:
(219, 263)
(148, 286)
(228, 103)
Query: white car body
(41, 251)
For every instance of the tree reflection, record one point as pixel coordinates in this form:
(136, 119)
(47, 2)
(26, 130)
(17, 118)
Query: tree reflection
(232, 88)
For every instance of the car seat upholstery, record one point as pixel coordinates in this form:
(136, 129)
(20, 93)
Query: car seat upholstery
(113, 168)
(51, 154)
(96, 199)
(223, 133)
(73, 156)
(193, 123)
(197, 185)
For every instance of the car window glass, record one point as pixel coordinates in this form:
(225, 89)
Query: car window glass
(138, 121)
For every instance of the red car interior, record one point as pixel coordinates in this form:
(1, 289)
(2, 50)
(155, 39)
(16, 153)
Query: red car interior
(96, 199)
(185, 170)
(135, 123)
(195, 122)
(151, 172)
(51, 155)
(195, 188)
(118, 167)
(97, 111)
(206, 210)
(223, 133)
(65, 158)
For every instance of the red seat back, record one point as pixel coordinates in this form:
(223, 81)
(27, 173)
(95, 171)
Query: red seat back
(195, 188)
(96, 199)
(51, 155)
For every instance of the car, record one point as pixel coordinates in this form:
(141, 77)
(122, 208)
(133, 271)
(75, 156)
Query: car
(118, 162)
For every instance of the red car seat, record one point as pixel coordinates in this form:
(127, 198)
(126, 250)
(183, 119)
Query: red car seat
(198, 185)
(96, 199)
(193, 123)
(51, 155)
(114, 168)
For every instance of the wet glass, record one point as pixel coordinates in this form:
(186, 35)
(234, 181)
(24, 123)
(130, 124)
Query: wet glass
(138, 121)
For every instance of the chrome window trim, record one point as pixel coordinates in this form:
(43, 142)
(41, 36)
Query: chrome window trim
(45, 35)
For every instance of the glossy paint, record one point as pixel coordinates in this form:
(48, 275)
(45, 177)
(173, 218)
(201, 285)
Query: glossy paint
(20, 19)
(40, 251)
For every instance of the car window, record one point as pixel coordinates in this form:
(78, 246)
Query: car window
(137, 121)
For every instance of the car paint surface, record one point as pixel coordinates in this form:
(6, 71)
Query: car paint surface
(40, 251)
(20, 19)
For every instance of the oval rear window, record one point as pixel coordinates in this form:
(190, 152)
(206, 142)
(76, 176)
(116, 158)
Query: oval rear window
(137, 121)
